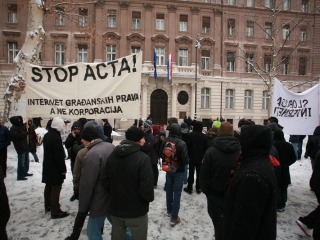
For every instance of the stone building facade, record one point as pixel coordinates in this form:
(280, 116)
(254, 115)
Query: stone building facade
(232, 34)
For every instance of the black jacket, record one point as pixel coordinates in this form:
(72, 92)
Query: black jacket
(181, 146)
(197, 145)
(217, 163)
(71, 141)
(129, 179)
(148, 145)
(251, 199)
(54, 166)
(315, 177)
(312, 144)
(4, 208)
(18, 135)
(154, 155)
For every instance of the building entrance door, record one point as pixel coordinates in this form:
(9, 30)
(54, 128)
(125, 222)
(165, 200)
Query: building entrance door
(159, 106)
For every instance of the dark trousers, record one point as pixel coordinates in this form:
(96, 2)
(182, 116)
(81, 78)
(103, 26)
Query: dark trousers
(215, 210)
(311, 220)
(78, 225)
(51, 198)
(299, 151)
(155, 171)
(282, 195)
(3, 160)
(193, 167)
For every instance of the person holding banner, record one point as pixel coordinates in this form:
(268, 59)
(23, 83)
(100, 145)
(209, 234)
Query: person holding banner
(313, 145)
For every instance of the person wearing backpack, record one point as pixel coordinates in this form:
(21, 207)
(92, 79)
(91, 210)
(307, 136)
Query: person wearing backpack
(174, 176)
(313, 145)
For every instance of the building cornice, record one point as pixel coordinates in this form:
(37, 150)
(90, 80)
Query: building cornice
(11, 32)
(148, 6)
(172, 8)
(59, 34)
(183, 40)
(124, 4)
(160, 38)
(111, 36)
(207, 41)
(195, 10)
(135, 37)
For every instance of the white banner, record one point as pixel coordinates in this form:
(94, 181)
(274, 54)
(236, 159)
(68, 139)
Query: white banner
(90, 90)
(298, 113)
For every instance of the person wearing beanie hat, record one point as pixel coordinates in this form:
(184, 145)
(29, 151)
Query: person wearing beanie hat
(197, 144)
(218, 162)
(88, 134)
(216, 124)
(53, 168)
(128, 178)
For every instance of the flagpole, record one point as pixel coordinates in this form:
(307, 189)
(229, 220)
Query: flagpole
(198, 45)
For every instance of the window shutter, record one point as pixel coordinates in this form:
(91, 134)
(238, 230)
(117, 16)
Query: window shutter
(183, 18)
(206, 22)
(230, 57)
(160, 16)
(136, 15)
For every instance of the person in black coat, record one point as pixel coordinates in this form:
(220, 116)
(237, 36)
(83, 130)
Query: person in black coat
(251, 199)
(286, 158)
(107, 130)
(53, 168)
(4, 208)
(215, 170)
(33, 141)
(19, 134)
(312, 145)
(149, 139)
(197, 144)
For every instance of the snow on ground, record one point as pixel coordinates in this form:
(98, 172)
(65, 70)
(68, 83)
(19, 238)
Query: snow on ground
(29, 222)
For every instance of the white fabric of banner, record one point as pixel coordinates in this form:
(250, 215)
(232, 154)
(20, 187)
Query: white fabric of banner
(298, 113)
(90, 90)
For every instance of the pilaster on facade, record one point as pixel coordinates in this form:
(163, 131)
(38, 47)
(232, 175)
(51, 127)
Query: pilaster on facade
(172, 8)
(144, 98)
(174, 88)
(124, 4)
(148, 6)
(195, 10)
(193, 98)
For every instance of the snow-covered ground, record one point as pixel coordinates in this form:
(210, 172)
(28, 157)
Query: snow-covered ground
(29, 222)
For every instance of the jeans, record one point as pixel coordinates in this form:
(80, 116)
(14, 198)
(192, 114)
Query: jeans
(128, 232)
(282, 196)
(155, 171)
(94, 228)
(216, 211)
(23, 164)
(35, 156)
(174, 184)
(295, 147)
(193, 167)
(185, 174)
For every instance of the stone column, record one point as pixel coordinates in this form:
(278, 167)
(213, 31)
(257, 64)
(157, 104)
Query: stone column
(193, 96)
(174, 100)
(144, 99)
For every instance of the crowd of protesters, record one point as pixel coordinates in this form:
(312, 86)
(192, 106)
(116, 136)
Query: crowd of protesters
(244, 174)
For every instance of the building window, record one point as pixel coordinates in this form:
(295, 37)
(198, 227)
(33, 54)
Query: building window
(303, 34)
(160, 21)
(111, 53)
(183, 57)
(231, 2)
(205, 98)
(285, 31)
(160, 56)
(249, 29)
(285, 65)
(230, 61)
(268, 29)
(247, 99)
(83, 17)
(302, 66)
(59, 54)
(304, 6)
(60, 16)
(249, 62)
(12, 13)
(206, 1)
(250, 3)
(112, 19)
(229, 98)
(267, 63)
(268, 3)
(135, 49)
(136, 19)
(205, 24)
(12, 51)
(183, 23)
(82, 53)
(231, 27)
(265, 100)
(205, 60)
(287, 5)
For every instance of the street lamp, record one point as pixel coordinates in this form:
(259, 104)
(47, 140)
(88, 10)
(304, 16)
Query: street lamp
(198, 45)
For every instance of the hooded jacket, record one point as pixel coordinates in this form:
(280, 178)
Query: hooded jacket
(92, 195)
(71, 140)
(18, 134)
(312, 144)
(181, 146)
(251, 199)
(129, 179)
(217, 164)
(197, 144)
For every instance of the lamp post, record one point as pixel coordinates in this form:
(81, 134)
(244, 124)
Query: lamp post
(198, 45)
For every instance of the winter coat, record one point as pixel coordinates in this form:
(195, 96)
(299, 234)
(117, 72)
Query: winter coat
(197, 144)
(154, 155)
(76, 173)
(251, 199)
(181, 146)
(286, 158)
(4, 207)
(315, 177)
(71, 141)
(217, 163)
(5, 139)
(93, 123)
(312, 144)
(54, 166)
(92, 194)
(129, 179)
(212, 137)
(18, 135)
(32, 139)
(107, 130)
(146, 148)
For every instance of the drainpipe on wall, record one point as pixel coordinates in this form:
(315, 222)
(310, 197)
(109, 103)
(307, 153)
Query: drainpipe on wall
(222, 34)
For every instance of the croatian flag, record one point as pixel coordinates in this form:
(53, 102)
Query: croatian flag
(169, 67)
(155, 64)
